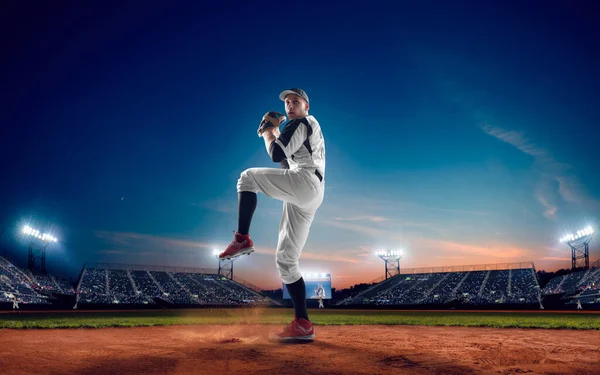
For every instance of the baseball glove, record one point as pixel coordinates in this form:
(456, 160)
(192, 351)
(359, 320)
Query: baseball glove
(271, 119)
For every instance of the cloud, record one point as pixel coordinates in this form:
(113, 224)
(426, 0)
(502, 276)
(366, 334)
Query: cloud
(470, 212)
(556, 180)
(425, 246)
(553, 249)
(375, 206)
(327, 255)
(145, 242)
(371, 216)
(220, 205)
(375, 219)
(568, 187)
(111, 252)
(493, 250)
(555, 258)
(397, 230)
(518, 140)
(369, 231)
(550, 211)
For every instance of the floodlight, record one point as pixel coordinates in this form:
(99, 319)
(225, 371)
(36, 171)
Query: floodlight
(391, 258)
(37, 247)
(579, 243)
(587, 231)
(46, 237)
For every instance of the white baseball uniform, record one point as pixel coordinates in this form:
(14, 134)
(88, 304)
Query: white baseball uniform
(301, 188)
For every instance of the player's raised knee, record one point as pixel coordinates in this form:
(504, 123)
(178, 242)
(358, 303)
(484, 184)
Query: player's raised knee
(246, 182)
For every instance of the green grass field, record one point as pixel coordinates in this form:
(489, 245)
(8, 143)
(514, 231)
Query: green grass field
(282, 316)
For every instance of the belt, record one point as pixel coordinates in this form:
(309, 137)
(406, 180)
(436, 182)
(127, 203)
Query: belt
(319, 175)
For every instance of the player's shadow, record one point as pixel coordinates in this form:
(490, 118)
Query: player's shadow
(295, 342)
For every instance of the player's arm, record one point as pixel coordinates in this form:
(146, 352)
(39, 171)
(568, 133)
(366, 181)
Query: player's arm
(270, 135)
(275, 152)
(269, 131)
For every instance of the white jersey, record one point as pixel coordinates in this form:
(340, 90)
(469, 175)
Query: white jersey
(303, 144)
(321, 292)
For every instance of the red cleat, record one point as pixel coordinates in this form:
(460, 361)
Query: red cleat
(241, 244)
(298, 330)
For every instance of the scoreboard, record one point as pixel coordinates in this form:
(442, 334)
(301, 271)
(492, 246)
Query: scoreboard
(316, 284)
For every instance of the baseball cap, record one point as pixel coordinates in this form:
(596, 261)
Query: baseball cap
(296, 91)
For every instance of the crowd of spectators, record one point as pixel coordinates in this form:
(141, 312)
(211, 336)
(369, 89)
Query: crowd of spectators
(579, 287)
(474, 287)
(15, 283)
(102, 286)
(574, 282)
(524, 287)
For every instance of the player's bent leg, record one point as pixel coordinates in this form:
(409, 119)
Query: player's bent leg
(251, 181)
(296, 187)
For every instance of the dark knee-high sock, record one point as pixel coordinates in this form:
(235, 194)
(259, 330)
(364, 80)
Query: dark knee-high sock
(297, 291)
(246, 207)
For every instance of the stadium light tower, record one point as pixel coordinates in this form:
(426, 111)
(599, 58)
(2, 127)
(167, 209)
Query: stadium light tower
(38, 241)
(225, 265)
(579, 244)
(392, 261)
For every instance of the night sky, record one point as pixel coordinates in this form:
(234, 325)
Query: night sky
(462, 132)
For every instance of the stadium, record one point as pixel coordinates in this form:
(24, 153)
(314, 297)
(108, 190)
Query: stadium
(465, 311)
(326, 188)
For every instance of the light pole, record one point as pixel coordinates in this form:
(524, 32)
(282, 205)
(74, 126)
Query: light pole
(391, 259)
(579, 244)
(38, 240)
(225, 265)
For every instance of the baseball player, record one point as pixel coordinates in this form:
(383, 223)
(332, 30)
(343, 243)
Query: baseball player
(299, 183)
(320, 292)
(15, 302)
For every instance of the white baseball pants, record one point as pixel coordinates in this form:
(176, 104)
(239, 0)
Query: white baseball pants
(302, 194)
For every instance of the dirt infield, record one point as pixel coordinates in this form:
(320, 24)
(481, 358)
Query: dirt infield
(245, 349)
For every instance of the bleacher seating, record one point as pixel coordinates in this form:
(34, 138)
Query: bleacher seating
(112, 286)
(16, 282)
(490, 287)
(524, 287)
(573, 282)
(583, 286)
(496, 288)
